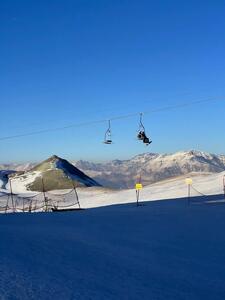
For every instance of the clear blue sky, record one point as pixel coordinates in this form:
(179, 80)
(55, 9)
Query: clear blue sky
(64, 62)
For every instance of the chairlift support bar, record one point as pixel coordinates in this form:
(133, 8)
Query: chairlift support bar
(141, 125)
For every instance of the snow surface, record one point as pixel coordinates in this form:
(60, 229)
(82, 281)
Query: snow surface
(208, 184)
(20, 183)
(167, 249)
(162, 250)
(169, 189)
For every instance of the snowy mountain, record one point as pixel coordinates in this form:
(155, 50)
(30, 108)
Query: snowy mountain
(152, 167)
(17, 166)
(54, 173)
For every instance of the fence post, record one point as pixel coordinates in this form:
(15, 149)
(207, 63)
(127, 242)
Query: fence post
(75, 192)
(7, 204)
(188, 182)
(45, 199)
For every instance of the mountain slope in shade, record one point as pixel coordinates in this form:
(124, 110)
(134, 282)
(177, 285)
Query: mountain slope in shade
(57, 173)
(152, 167)
(4, 174)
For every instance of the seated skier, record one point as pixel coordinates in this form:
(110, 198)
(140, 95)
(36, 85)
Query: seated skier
(141, 135)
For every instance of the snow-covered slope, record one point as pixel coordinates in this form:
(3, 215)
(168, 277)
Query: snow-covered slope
(164, 250)
(152, 167)
(203, 184)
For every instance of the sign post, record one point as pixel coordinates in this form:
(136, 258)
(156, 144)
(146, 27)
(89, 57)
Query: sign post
(188, 182)
(138, 187)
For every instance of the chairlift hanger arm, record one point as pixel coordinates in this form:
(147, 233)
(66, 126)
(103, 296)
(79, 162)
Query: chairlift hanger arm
(141, 125)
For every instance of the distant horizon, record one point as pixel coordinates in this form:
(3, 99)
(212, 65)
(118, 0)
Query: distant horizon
(105, 161)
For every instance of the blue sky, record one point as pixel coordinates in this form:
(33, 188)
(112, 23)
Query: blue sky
(68, 62)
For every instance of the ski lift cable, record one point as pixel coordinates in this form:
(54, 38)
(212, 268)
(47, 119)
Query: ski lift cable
(166, 108)
(52, 121)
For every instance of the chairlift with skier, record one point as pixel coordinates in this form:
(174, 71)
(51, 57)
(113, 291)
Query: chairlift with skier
(141, 133)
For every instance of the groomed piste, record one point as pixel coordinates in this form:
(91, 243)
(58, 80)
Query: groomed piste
(161, 250)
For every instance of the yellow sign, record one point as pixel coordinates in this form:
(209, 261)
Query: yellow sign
(188, 181)
(138, 186)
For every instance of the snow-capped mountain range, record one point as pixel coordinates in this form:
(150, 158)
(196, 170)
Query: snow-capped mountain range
(17, 166)
(152, 167)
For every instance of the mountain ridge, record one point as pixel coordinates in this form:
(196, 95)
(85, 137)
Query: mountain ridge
(152, 167)
(51, 174)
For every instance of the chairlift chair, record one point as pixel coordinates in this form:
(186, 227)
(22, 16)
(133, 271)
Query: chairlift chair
(141, 133)
(108, 142)
(108, 139)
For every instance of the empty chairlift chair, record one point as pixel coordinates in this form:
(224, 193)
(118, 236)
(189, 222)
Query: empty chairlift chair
(108, 135)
